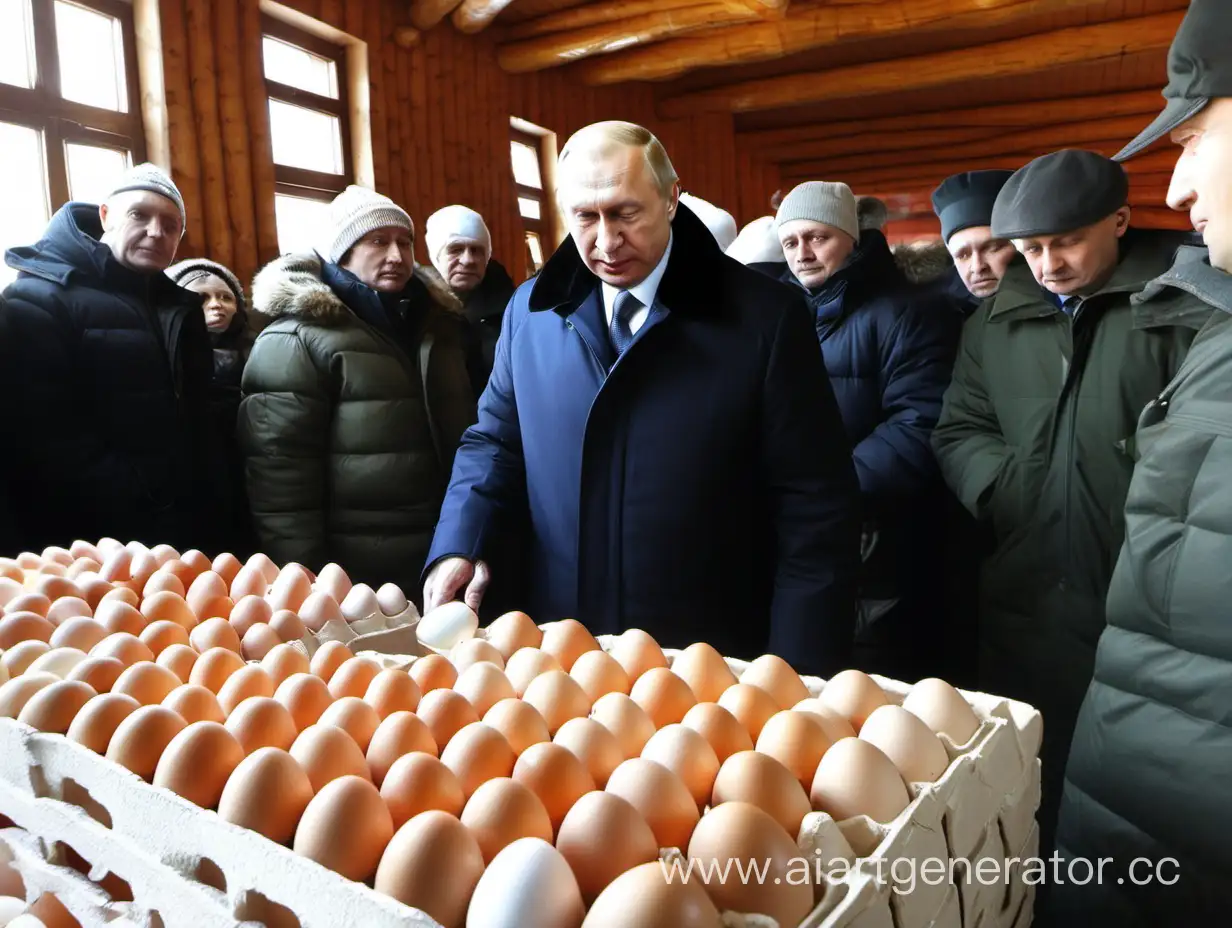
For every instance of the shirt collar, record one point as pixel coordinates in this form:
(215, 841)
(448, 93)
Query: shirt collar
(648, 289)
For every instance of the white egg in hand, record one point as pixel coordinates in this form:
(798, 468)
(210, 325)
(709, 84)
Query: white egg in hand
(447, 625)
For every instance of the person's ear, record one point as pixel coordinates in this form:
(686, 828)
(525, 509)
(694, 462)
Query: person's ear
(1122, 220)
(102, 215)
(673, 200)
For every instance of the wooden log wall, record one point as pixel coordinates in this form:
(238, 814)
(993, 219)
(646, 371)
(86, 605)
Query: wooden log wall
(440, 115)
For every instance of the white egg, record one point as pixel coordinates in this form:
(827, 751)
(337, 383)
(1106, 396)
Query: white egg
(447, 625)
(527, 883)
(391, 598)
(360, 603)
(58, 661)
(10, 908)
(27, 921)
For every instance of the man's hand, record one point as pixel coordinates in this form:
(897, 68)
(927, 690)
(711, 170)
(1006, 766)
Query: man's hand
(450, 576)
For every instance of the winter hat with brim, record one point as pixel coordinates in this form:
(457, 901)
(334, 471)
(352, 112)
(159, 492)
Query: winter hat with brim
(1058, 193)
(1199, 70)
(193, 269)
(965, 201)
(821, 201)
(353, 214)
(151, 177)
(719, 221)
(453, 224)
(757, 243)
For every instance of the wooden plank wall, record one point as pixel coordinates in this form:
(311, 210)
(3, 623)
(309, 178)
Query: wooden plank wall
(440, 126)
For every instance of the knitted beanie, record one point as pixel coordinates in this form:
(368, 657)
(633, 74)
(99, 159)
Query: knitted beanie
(820, 201)
(353, 214)
(719, 221)
(151, 177)
(455, 223)
(757, 243)
(188, 270)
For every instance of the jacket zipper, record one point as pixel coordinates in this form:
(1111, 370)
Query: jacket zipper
(1070, 438)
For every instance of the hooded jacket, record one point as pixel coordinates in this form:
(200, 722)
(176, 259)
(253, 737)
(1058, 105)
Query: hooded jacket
(353, 407)
(484, 307)
(108, 374)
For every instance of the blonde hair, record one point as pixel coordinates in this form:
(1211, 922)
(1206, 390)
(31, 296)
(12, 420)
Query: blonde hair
(604, 136)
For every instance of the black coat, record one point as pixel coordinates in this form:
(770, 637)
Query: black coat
(700, 487)
(107, 372)
(485, 308)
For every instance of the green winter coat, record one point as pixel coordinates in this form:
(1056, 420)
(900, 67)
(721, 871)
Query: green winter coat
(349, 427)
(1032, 439)
(1150, 771)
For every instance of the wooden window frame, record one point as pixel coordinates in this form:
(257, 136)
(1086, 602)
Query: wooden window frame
(62, 122)
(542, 226)
(299, 182)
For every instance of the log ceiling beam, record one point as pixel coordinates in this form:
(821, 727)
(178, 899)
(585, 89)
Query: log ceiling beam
(913, 141)
(1028, 55)
(804, 30)
(427, 13)
(473, 16)
(598, 14)
(915, 197)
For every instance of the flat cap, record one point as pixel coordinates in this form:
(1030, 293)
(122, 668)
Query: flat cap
(1058, 193)
(966, 200)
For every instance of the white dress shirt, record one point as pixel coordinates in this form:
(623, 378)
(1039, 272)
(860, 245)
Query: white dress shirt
(645, 293)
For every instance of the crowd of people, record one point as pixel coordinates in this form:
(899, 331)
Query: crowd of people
(1005, 470)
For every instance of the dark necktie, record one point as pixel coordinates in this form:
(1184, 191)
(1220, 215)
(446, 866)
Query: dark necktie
(625, 306)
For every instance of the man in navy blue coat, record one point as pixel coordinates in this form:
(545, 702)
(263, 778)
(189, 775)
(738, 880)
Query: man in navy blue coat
(663, 415)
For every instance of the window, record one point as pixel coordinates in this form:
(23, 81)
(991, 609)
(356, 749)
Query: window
(525, 151)
(69, 121)
(305, 80)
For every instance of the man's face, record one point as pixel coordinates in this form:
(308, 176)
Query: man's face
(814, 250)
(382, 259)
(219, 302)
(142, 229)
(981, 259)
(463, 263)
(1077, 262)
(619, 219)
(1200, 181)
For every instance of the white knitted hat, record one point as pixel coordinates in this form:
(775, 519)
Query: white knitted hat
(719, 221)
(455, 223)
(820, 201)
(757, 243)
(147, 176)
(353, 214)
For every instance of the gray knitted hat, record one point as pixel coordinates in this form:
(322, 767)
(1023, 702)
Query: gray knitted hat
(147, 176)
(821, 201)
(188, 270)
(353, 214)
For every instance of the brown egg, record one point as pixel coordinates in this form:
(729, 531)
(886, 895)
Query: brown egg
(214, 633)
(328, 658)
(411, 869)
(100, 673)
(284, 660)
(776, 677)
(663, 696)
(703, 668)
(688, 755)
(163, 581)
(142, 568)
(288, 626)
(139, 740)
(306, 696)
(475, 651)
(197, 763)
(637, 652)
(48, 912)
(567, 640)
(127, 649)
(68, 607)
(262, 722)
(484, 685)
(80, 548)
(345, 827)
(939, 706)
(267, 793)
(558, 698)
(29, 602)
(835, 725)
(626, 720)
(249, 611)
(738, 832)
(400, 733)
(120, 617)
(17, 627)
(752, 706)
(226, 565)
(355, 717)
(146, 682)
(166, 607)
(659, 796)
(908, 742)
(519, 722)
(183, 571)
(115, 565)
(556, 776)
(418, 782)
(641, 896)
(180, 659)
(513, 631)
(215, 667)
(476, 754)
(445, 713)
(19, 658)
(164, 553)
(797, 741)
(250, 584)
(720, 728)
(291, 589)
(856, 778)
(53, 708)
(392, 691)
(119, 594)
(853, 695)
(93, 590)
(195, 703)
(83, 565)
(433, 672)
(250, 680)
(503, 810)
(9, 589)
(627, 841)
(316, 610)
(258, 641)
(763, 781)
(98, 719)
(333, 580)
(598, 674)
(160, 635)
(326, 753)
(353, 677)
(592, 744)
(56, 588)
(525, 665)
(207, 588)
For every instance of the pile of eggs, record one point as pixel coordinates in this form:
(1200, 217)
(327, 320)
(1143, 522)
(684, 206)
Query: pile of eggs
(524, 770)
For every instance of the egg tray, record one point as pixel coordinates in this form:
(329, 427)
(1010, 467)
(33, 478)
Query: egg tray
(187, 868)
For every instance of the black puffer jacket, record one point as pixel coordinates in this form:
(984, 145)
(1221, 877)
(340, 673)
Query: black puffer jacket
(484, 308)
(108, 372)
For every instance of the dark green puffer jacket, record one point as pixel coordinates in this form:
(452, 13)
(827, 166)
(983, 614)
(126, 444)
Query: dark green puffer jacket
(1150, 771)
(1031, 439)
(350, 419)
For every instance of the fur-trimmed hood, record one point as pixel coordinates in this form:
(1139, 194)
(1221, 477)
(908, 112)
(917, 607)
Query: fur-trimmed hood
(923, 263)
(295, 285)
